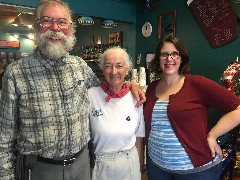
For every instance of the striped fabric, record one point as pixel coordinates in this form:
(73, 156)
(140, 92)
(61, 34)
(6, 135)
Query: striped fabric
(164, 148)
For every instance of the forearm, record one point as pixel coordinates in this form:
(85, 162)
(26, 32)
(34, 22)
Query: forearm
(225, 123)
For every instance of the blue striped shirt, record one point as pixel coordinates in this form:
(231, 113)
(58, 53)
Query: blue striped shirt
(164, 148)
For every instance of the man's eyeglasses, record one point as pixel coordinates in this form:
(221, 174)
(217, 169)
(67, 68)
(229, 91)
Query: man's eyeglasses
(174, 55)
(47, 22)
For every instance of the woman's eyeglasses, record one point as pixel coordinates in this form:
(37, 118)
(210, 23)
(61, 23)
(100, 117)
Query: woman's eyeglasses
(174, 55)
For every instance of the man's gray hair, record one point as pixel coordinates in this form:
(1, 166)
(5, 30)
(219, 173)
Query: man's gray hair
(43, 3)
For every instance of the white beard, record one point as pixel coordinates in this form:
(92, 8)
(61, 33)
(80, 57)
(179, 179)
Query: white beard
(55, 51)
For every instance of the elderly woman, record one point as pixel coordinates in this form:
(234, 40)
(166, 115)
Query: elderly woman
(117, 125)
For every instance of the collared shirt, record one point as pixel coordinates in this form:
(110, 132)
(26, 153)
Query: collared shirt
(44, 108)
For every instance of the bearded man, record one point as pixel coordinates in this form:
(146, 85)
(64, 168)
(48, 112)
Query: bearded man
(44, 121)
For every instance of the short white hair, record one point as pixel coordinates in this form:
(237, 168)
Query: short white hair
(126, 57)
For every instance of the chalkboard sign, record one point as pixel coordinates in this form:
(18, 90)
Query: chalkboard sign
(217, 20)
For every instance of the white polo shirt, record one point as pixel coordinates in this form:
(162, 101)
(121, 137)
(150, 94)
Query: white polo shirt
(114, 124)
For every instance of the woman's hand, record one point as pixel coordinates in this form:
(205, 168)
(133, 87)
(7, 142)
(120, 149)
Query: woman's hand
(214, 146)
(138, 93)
(227, 122)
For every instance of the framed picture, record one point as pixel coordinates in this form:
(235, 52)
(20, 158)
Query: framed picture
(115, 37)
(150, 75)
(167, 24)
(149, 57)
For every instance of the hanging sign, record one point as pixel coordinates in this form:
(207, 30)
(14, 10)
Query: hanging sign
(217, 20)
(9, 44)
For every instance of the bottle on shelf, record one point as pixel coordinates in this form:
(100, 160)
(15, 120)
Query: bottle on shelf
(93, 52)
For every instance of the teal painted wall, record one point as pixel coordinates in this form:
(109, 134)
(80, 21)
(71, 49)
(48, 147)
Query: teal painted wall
(205, 60)
(26, 45)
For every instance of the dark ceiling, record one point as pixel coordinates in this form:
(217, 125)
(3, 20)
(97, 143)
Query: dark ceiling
(11, 10)
(16, 15)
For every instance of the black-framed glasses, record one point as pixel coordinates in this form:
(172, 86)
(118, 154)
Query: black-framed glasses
(173, 55)
(47, 22)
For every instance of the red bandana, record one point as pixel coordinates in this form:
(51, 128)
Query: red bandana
(111, 94)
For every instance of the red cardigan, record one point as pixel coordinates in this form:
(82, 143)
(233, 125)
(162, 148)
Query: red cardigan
(188, 113)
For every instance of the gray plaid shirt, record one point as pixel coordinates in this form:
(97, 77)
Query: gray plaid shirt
(44, 108)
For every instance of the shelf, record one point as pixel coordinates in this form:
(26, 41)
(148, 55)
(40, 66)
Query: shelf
(91, 60)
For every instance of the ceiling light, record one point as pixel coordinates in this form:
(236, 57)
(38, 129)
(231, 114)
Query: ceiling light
(23, 20)
(108, 24)
(86, 20)
(30, 36)
(16, 36)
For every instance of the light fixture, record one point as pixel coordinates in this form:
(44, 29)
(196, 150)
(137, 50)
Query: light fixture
(108, 24)
(86, 20)
(30, 36)
(17, 35)
(23, 20)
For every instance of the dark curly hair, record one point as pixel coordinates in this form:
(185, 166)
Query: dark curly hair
(185, 65)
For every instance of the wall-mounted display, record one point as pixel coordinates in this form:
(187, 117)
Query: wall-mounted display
(9, 44)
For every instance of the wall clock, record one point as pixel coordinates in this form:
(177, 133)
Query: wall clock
(146, 29)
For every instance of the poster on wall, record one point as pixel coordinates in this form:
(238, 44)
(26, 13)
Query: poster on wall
(115, 37)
